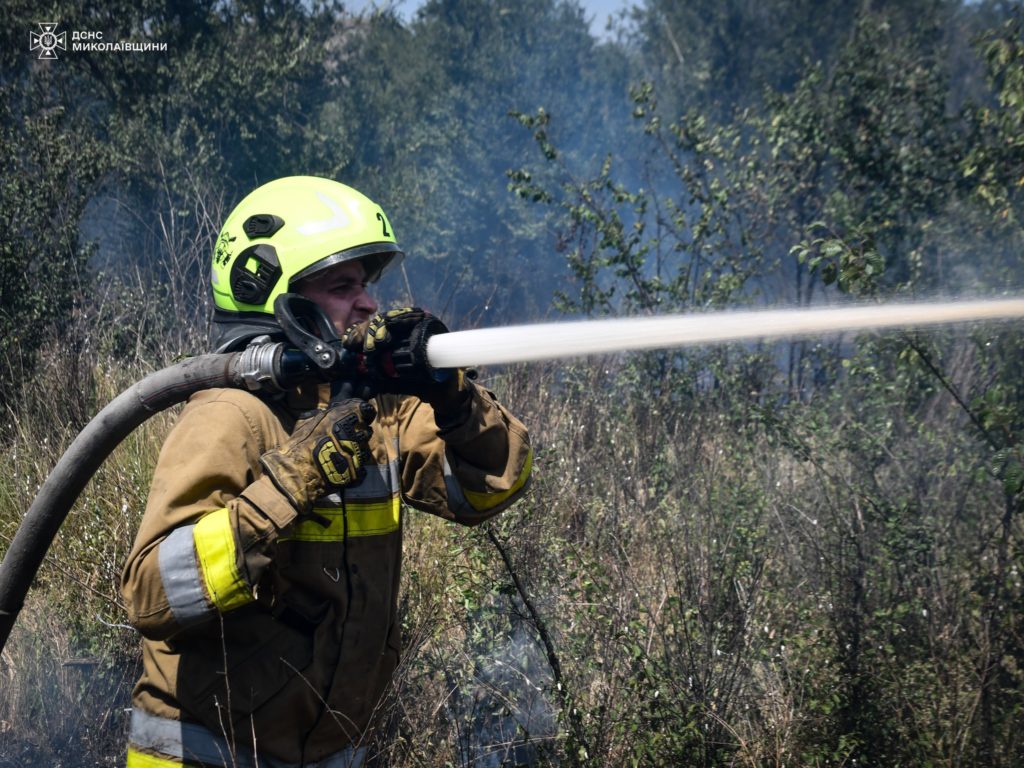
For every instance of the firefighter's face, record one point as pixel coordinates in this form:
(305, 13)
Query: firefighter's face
(341, 292)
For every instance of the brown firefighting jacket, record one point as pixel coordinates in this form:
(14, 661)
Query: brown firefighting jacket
(263, 626)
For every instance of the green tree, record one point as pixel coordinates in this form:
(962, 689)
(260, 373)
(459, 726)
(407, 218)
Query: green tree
(49, 169)
(232, 101)
(48, 172)
(435, 140)
(721, 57)
(864, 178)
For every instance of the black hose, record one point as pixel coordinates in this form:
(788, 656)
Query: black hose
(156, 392)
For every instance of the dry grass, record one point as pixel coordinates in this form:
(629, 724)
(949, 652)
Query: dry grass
(700, 578)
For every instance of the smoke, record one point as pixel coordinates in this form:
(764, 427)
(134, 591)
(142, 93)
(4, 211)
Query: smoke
(60, 705)
(508, 717)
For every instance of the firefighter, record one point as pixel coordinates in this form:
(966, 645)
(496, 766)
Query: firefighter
(264, 577)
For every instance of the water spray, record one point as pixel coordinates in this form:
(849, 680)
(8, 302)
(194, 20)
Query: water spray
(551, 341)
(314, 352)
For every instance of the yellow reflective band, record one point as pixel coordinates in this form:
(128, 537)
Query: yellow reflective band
(138, 759)
(482, 502)
(365, 518)
(215, 546)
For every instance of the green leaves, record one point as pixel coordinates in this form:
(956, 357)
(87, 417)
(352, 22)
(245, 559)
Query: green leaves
(1008, 464)
(994, 165)
(855, 269)
(50, 170)
(632, 247)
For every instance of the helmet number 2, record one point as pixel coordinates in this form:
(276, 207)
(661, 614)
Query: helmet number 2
(383, 223)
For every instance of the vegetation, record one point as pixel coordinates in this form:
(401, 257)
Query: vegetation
(803, 553)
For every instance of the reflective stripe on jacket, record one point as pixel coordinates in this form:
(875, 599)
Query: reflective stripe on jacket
(156, 742)
(256, 621)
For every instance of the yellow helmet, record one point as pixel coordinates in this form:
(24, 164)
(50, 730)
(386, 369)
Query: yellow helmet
(285, 231)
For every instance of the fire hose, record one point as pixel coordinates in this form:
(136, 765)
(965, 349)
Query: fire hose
(314, 352)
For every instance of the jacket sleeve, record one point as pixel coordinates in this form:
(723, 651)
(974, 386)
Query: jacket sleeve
(466, 472)
(210, 519)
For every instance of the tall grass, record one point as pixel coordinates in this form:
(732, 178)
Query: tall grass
(68, 667)
(699, 575)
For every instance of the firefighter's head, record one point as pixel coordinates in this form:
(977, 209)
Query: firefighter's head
(304, 234)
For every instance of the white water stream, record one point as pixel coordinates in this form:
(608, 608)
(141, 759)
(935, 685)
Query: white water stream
(547, 341)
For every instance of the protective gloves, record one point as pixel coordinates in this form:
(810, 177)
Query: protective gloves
(394, 347)
(327, 451)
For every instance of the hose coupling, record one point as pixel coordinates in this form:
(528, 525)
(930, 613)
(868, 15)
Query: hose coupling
(258, 365)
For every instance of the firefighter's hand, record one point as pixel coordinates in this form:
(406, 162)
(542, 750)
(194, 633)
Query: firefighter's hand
(394, 348)
(327, 451)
